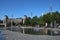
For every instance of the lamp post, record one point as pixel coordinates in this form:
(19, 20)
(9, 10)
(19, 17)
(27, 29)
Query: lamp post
(51, 24)
(11, 22)
(31, 14)
(51, 16)
(5, 24)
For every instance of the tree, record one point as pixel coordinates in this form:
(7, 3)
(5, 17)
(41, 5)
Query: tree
(35, 19)
(47, 18)
(40, 20)
(28, 21)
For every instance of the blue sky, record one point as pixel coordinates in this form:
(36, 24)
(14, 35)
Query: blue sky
(19, 8)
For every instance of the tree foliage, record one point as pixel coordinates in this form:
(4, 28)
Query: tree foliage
(46, 18)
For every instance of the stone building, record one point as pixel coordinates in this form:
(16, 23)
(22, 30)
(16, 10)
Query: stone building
(15, 20)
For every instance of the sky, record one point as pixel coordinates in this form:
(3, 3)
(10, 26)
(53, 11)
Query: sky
(19, 8)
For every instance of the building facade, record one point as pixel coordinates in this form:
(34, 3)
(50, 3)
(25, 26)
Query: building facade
(15, 20)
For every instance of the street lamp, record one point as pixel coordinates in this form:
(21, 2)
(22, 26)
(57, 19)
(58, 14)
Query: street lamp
(5, 24)
(51, 16)
(11, 22)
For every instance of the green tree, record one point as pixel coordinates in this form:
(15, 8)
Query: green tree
(28, 21)
(50, 18)
(46, 18)
(40, 20)
(35, 20)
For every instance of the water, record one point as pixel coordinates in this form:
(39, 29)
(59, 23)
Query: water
(1, 36)
(36, 30)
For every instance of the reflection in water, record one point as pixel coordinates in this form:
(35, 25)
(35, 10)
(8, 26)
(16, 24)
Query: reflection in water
(53, 32)
(1, 36)
(35, 31)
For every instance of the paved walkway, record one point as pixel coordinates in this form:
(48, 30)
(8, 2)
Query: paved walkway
(9, 35)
